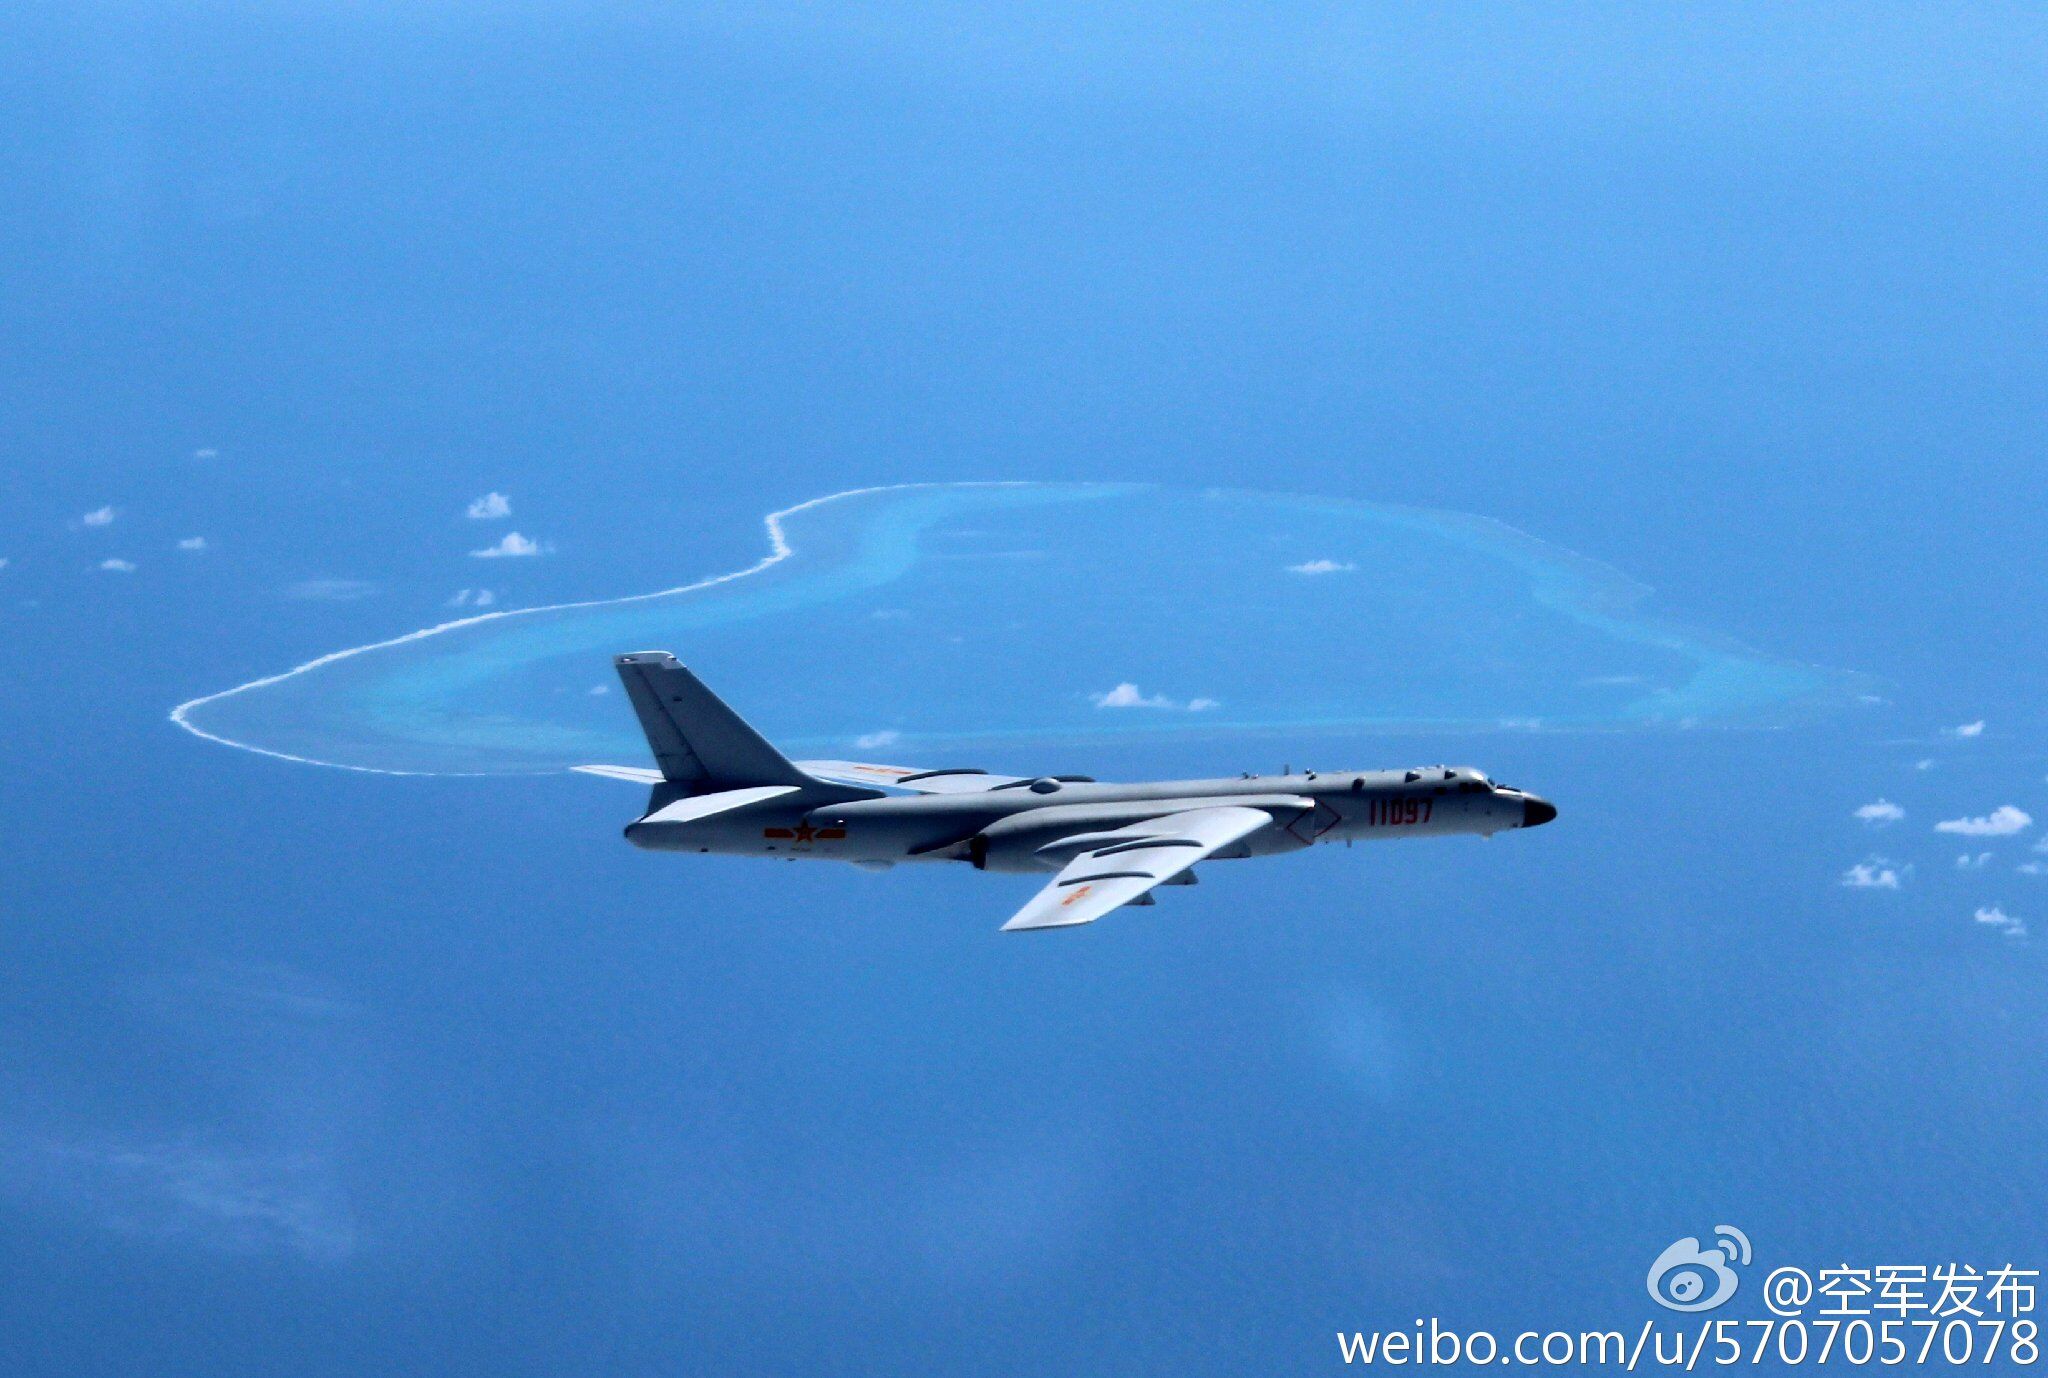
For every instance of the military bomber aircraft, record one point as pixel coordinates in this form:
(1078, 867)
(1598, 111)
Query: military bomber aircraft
(721, 787)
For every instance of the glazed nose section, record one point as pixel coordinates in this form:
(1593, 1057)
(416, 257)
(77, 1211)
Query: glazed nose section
(1536, 812)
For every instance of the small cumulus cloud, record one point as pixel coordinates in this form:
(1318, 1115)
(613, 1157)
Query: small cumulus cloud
(1880, 813)
(2003, 821)
(103, 516)
(118, 566)
(1966, 862)
(206, 452)
(1968, 729)
(869, 741)
(472, 598)
(193, 543)
(597, 689)
(1321, 567)
(490, 507)
(1924, 763)
(330, 590)
(514, 544)
(1128, 695)
(1875, 874)
(2033, 868)
(1994, 916)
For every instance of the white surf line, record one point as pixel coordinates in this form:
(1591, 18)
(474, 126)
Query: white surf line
(779, 549)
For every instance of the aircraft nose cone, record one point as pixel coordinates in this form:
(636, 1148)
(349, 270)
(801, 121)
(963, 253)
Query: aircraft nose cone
(1536, 812)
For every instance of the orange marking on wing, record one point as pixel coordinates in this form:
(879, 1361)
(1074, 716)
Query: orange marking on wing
(1074, 895)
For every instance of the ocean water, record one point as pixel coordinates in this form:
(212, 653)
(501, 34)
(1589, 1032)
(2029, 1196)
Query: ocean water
(1670, 382)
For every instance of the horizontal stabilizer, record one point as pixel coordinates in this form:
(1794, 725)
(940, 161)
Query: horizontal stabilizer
(704, 805)
(639, 775)
(917, 779)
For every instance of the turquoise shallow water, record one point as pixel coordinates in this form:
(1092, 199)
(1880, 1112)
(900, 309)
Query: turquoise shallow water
(919, 621)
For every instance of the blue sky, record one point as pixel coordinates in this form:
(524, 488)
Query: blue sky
(313, 1072)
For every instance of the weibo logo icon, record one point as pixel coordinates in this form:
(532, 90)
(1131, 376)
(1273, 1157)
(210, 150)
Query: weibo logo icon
(1686, 1277)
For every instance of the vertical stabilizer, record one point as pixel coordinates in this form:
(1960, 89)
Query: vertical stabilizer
(697, 741)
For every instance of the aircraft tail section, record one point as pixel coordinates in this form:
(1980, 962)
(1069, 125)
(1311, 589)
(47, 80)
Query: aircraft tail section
(697, 741)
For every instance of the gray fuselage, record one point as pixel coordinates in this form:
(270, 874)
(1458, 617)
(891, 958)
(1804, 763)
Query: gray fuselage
(1020, 826)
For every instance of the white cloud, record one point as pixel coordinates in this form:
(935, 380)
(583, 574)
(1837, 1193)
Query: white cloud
(1966, 862)
(2041, 843)
(1924, 763)
(1968, 729)
(868, 741)
(207, 453)
(513, 544)
(1875, 874)
(597, 689)
(103, 516)
(330, 590)
(472, 598)
(193, 543)
(4, 562)
(1321, 567)
(1128, 695)
(118, 566)
(1995, 916)
(2003, 821)
(489, 507)
(1882, 812)
(2033, 868)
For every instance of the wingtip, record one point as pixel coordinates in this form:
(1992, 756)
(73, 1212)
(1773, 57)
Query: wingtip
(1021, 924)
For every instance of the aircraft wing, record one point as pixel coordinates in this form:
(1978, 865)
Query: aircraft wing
(1115, 868)
(914, 778)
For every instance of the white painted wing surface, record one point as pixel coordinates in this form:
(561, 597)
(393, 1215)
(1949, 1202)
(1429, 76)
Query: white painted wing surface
(639, 775)
(1120, 866)
(914, 778)
(704, 805)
